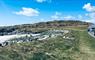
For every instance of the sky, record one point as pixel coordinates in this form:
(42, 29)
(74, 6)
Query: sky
(14, 12)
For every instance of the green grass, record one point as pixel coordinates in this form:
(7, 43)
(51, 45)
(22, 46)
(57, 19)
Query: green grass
(90, 41)
(52, 49)
(80, 48)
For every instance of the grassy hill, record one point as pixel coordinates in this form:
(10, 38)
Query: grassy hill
(41, 26)
(82, 47)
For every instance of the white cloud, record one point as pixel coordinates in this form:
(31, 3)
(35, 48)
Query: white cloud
(88, 7)
(28, 12)
(41, 1)
(59, 16)
(58, 13)
(91, 16)
(56, 16)
(69, 17)
(80, 17)
(91, 9)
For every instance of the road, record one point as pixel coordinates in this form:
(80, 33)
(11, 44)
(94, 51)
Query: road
(91, 34)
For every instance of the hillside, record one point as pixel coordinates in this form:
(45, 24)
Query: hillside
(40, 27)
(77, 44)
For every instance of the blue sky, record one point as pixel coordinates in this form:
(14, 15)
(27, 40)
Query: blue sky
(14, 12)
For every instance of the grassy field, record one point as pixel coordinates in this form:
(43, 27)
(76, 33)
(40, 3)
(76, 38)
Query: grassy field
(80, 48)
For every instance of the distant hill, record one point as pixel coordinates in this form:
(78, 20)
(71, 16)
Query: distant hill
(39, 27)
(55, 23)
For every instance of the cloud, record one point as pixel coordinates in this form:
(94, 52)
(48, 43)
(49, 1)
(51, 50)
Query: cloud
(56, 16)
(91, 16)
(69, 17)
(41, 1)
(28, 12)
(80, 17)
(88, 7)
(91, 12)
(60, 16)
